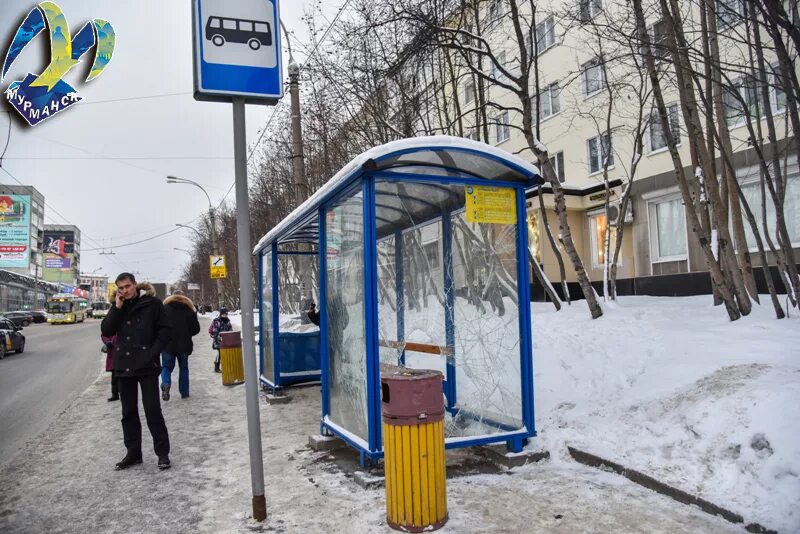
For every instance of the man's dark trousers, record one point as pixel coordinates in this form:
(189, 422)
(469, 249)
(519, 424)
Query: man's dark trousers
(131, 425)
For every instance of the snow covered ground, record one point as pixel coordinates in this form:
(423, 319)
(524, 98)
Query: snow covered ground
(665, 386)
(670, 387)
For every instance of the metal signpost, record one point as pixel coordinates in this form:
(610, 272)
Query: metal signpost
(237, 58)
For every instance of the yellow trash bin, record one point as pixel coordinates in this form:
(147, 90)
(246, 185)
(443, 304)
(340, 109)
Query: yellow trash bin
(413, 446)
(230, 357)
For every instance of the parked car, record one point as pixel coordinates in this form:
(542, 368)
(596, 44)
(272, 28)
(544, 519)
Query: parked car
(11, 338)
(19, 318)
(39, 316)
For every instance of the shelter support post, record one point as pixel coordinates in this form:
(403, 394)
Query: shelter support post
(449, 320)
(371, 315)
(323, 318)
(525, 326)
(276, 328)
(399, 290)
(246, 298)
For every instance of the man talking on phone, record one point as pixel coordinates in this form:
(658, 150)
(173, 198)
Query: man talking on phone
(138, 320)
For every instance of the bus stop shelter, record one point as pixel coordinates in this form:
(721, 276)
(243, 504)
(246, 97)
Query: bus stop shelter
(417, 254)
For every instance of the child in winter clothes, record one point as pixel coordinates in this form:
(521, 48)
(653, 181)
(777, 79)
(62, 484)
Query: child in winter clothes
(220, 324)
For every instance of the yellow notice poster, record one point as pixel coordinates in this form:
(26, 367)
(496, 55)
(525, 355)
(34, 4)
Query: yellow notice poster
(218, 269)
(496, 205)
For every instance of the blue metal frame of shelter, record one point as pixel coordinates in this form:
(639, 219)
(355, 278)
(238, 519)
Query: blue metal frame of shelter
(363, 179)
(278, 380)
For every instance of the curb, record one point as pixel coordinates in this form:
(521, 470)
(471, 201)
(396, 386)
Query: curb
(665, 489)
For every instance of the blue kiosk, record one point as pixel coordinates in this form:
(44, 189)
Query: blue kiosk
(417, 253)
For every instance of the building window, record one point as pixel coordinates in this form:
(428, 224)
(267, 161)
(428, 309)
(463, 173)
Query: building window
(599, 152)
(657, 139)
(502, 132)
(777, 95)
(493, 12)
(497, 74)
(557, 161)
(729, 13)
(667, 229)
(534, 237)
(549, 103)
(469, 92)
(545, 34)
(474, 135)
(593, 77)
(589, 9)
(791, 207)
(659, 39)
(599, 224)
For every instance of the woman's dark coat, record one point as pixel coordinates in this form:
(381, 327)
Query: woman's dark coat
(183, 323)
(142, 332)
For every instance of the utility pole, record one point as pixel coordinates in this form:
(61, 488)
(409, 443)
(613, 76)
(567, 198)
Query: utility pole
(212, 217)
(298, 163)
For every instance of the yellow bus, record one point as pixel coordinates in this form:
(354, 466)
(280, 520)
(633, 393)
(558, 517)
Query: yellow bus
(66, 308)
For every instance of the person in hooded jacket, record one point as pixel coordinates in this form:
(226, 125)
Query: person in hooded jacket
(220, 324)
(140, 325)
(182, 318)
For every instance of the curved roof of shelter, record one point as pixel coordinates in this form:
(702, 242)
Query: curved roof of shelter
(439, 155)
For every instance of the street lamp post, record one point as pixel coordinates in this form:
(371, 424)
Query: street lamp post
(212, 218)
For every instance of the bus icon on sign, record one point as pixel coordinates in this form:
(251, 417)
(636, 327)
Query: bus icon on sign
(253, 33)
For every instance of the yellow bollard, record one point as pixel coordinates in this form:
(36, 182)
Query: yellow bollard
(413, 447)
(230, 357)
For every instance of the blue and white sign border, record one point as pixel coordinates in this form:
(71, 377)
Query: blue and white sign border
(212, 82)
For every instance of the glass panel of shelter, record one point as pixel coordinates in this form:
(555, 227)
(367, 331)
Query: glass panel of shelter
(448, 300)
(345, 307)
(265, 338)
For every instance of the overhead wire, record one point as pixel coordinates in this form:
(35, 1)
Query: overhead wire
(275, 109)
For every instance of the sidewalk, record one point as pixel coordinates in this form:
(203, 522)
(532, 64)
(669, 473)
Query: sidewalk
(66, 483)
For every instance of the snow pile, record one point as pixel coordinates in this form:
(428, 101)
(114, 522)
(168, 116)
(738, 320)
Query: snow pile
(670, 387)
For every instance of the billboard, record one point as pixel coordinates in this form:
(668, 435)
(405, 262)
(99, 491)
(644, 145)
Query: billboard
(59, 250)
(15, 231)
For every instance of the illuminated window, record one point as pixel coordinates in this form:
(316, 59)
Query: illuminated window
(598, 225)
(534, 238)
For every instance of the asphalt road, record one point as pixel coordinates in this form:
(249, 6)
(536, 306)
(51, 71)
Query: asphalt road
(59, 363)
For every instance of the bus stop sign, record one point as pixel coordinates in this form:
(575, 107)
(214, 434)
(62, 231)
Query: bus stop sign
(237, 50)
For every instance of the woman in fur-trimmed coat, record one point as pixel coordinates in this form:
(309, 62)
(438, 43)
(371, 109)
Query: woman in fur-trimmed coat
(183, 324)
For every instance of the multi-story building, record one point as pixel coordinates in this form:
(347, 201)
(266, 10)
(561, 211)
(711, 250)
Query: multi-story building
(22, 217)
(96, 285)
(61, 245)
(588, 115)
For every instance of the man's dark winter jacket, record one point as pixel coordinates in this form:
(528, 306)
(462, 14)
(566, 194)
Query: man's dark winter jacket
(183, 324)
(142, 331)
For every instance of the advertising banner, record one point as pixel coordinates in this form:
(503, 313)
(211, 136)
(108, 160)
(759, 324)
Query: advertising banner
(15, 226)
(59, 250)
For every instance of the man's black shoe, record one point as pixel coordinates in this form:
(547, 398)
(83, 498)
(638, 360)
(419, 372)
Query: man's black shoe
(165, 392)
(113, 398)
(163, 462)
(127, 462)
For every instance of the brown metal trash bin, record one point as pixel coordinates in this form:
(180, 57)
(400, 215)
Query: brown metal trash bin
(230, 357)
(413, 445)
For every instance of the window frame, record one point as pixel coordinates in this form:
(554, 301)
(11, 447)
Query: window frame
(612, 161)
(557, 160)
(504, 126)
(675, 127)
(467, 85)
(548, 92)
(593, 63)
(753, 181)
(592, 217)
(592, 9)
(652, 221)
(551, 31)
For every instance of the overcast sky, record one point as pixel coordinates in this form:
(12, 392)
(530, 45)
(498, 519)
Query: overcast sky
(116, 201)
